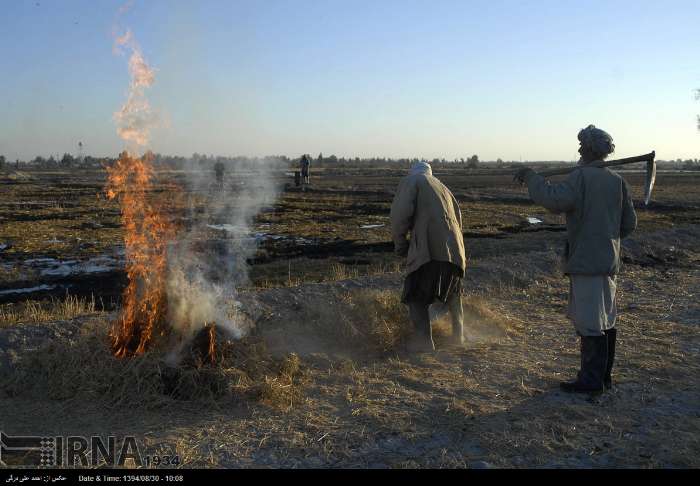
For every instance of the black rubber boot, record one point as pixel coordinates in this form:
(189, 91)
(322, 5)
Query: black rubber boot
(611, 335)
(594, 364)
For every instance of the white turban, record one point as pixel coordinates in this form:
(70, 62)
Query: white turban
(421, 168)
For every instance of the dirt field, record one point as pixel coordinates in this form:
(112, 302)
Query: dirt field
(322, 284)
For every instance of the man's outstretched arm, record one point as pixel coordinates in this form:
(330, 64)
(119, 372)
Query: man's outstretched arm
(559, 197)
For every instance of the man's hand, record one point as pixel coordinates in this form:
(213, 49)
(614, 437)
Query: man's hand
(522, 174)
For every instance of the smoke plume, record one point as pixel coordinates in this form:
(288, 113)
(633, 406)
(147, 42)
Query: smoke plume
(208, 263)
(135, 119)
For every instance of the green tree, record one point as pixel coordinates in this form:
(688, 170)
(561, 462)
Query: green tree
(473, 161)
(2, 162)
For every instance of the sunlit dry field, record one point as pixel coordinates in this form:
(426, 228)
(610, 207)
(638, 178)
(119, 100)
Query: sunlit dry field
(323, 380)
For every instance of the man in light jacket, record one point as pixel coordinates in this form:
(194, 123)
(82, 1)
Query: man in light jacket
(599, 212)
(435, 259)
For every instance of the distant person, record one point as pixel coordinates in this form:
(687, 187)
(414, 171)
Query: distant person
(304, 166)
(219, 169)
(599, 212)
(435, 259)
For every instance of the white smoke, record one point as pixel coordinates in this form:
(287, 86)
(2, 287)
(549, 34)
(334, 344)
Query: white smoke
(194, 301)
(135, 119)
(207, 265)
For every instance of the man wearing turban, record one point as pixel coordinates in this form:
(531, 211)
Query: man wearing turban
(599, 212)
(435, 258)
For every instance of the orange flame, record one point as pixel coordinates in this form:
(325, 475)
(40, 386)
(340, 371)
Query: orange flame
(212, 344)
(146, 227)
(147, 233)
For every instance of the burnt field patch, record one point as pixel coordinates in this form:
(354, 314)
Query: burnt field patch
(303, 236)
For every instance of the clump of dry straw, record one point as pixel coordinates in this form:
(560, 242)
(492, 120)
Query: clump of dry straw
(84, 368)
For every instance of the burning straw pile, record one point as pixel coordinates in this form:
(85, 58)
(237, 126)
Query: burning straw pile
(175, 336)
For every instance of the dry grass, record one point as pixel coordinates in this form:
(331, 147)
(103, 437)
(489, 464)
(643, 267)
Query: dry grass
(342, 272)
(37, 312)
(374, 322)
(378, 317)
(304, 271)
(495, 401)
(371, 320)
(487, 319)
(83, 368)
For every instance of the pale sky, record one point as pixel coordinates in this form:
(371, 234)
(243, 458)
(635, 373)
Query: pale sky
(392, 78)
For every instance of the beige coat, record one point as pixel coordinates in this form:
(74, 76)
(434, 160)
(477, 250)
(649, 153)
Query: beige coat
(427, 209)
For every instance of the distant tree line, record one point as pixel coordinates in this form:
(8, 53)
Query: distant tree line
(331, 161)
(687, 164)
(219, 164)
(68, 161)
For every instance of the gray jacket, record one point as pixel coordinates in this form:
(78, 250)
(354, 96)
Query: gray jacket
(599, 211)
